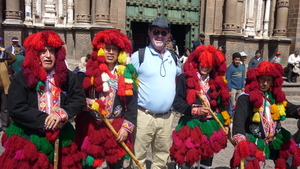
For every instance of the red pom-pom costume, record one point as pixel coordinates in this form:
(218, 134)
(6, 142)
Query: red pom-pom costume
(36, 94)
(256, 125)
(199, 137)
(114, 93)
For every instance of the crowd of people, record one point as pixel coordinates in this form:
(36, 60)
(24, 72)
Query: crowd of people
(123, 104)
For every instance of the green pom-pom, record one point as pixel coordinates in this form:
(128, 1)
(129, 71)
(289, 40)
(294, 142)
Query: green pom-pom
(261, 144)
(276, 143)
(206, 129)
(89, 160)
(43, 145)
(251, 138)
(15, 129)
(39, 84)
(282, 118)
(193, 123)
(127, 156)
(286, 135)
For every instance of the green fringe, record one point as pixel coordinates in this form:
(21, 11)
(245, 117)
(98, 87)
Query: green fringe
(207, 127)
(131, 73)
(67, 137)
(267, 152)
(43, 145)
(193, 123)
(15, 129)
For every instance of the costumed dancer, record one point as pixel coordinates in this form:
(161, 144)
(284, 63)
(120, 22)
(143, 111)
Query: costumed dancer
(43, 96)
(257, 129)
(198, 135)
(110, 84)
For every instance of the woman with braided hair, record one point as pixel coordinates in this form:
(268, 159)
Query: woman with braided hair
(110, 85)
(257, 130)
(200, 89)
(43, 96)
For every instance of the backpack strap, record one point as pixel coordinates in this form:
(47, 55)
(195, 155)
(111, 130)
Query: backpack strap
(141, 55)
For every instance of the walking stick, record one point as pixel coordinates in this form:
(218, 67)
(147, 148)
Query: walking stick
(56, 153)
(215, 117)
(116, 134)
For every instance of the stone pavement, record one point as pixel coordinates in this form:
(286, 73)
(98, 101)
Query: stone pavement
(221, 160)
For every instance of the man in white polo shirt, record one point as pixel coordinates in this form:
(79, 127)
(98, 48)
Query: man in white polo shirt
(157, 74)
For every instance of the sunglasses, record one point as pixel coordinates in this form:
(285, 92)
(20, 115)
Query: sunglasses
(157, 32)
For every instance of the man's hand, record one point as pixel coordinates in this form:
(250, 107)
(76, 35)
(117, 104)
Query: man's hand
(204, 111)
(122, 135)
(52, 122)
(2, 49)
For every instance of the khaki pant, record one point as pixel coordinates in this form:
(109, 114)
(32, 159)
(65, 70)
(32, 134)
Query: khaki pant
(234, 95)
(157, 132)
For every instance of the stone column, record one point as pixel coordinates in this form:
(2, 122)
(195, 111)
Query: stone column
(281, 18)
(266, 19)
(259, 12)
(249, 28)
(12, 12)
(82, 11)
(50, 13)
(28, 14)
(70, 12)
(229, 25)
(239, 14)
(102, 11)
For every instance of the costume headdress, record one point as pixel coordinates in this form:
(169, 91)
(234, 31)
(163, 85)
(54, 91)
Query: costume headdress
(208, 57)
(277, 95)
(33, 69)
(97, 73)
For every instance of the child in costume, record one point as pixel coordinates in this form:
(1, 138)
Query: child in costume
(43, 96)
(257, 130)
(201, 87)
(110, 86)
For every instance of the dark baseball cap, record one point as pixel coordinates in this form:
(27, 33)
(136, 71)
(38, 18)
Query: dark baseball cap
(160, 22)
(14, 39)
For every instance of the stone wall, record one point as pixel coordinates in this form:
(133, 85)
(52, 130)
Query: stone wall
(293, 28)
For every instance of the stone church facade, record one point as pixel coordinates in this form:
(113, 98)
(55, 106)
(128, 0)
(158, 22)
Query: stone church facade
(240, 25)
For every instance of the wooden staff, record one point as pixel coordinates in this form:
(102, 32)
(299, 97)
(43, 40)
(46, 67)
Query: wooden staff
(122, 143)
(56, 152)
(214, 116)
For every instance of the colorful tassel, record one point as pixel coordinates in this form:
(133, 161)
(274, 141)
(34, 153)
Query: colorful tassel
(256, 117)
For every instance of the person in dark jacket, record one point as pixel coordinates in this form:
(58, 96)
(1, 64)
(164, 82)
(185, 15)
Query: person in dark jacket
(42, 98)
(15, 43)
(257, 130)
(254, 61)
(110, 85)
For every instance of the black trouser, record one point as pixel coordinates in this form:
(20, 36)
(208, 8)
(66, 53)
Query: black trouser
(5, 120)
(291, 75)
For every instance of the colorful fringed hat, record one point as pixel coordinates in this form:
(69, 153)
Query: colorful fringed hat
(97, 73)
(208, 56)
(33, 70)
(265, 69)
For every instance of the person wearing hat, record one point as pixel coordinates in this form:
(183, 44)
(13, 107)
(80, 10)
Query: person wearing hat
(110, 85)
(276, 58)
(201, 88)
(293, 61)
(242, 63)
(257, 131)
(199, 41)
(157, 75)
(42, 97)
(15, 43)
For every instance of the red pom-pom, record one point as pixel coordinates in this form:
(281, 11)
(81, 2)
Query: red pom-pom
(243, 148)
(280, 163)
(192, 156)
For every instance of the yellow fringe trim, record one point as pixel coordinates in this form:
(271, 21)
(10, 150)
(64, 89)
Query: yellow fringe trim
(256, 117)
(226, 117)
(122, 57)
(128, 92)
(121, 70)
(128, 81)
(100, 52)
(224, 79)
(281, 108)
(92, 80)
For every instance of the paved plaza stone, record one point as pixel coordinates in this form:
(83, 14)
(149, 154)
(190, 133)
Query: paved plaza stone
(221, 160)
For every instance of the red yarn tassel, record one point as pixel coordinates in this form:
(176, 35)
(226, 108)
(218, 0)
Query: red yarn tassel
(280, 163)
(296, 160)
